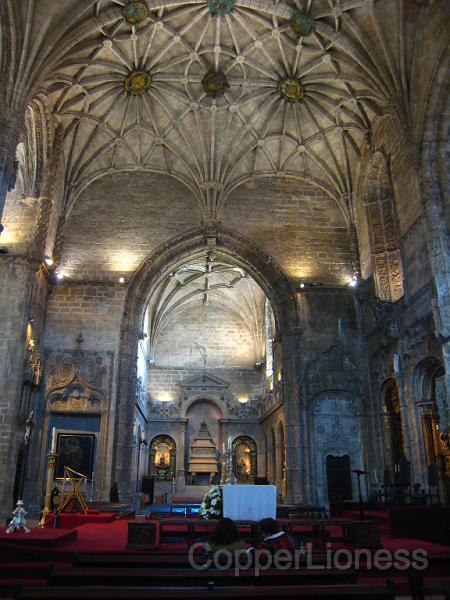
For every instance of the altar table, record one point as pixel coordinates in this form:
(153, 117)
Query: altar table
(249, 502)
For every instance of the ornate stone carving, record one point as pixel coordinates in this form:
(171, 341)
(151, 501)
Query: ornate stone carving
(76, 381)
(333, 370)
(383, 313)
(243, 411)
(164, 410)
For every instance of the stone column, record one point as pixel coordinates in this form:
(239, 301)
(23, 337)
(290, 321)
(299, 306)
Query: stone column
(124, 447)
(10, 127)
(47, 200)
(17, 278)
(181, 474)
(297, 489)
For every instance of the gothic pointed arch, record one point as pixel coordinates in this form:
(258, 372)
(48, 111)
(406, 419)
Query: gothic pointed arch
(238, 250)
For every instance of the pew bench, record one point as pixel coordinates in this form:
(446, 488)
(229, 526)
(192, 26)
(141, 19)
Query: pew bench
(192, 577)
(324, 592)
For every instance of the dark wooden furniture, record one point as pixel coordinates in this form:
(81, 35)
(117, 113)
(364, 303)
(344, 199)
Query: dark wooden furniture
(143, 534)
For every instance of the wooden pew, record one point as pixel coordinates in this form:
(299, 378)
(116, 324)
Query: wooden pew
(343, 592)
(121, 576)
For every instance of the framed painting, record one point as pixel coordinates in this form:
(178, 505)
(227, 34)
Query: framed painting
(76, 451)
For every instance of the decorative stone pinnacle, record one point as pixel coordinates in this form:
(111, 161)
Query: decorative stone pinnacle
(137, 83)
(215, 83)
(220, 8)
(135, 12)
(303, 24)
(291, 90)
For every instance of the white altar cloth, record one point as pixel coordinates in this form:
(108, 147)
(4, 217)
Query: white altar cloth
(249, 502)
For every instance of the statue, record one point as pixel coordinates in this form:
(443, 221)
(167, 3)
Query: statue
(18, 521)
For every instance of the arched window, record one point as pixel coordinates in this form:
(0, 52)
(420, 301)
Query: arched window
(383, 234)
(163, 452)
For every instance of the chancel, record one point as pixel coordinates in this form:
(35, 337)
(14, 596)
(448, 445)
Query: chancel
(224, 289)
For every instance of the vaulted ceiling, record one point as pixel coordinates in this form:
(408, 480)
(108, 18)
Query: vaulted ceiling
(295, 108)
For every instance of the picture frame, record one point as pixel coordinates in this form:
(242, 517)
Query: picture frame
(76, 451)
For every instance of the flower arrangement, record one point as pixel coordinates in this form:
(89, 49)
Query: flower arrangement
(212, 503)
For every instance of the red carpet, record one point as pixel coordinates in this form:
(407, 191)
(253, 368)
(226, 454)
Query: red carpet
(44, 538)
(71, 520)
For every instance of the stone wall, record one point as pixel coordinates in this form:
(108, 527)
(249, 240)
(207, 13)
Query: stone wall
(164, 384)
(16, 292)
(224, 335)
(299, 225)
(95, 311)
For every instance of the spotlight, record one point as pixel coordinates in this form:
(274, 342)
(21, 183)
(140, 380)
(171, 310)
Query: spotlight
(49, 261)
(302, 285)
(60, 276)
(353, 282)
(121, 279)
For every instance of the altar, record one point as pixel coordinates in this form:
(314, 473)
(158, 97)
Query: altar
(249, 502)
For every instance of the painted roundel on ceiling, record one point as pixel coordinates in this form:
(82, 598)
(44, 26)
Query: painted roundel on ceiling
(135, 12)
(303, 24)
(137, 83)
(291, 90)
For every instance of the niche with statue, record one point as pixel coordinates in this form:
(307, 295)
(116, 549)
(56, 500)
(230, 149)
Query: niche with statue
(163, 452)
(244, 454)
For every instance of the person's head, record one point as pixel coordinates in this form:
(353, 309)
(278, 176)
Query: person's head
(269, 527)
(225, 532)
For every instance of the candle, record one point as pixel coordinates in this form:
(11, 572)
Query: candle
(223, 447)
(229, 442)
(53, 446)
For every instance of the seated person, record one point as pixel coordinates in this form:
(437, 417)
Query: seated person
(225, 537)
(274, 537)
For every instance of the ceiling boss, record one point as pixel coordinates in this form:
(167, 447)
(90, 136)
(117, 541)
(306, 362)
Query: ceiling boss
(135, 12)
(291, 90)
(137, 83)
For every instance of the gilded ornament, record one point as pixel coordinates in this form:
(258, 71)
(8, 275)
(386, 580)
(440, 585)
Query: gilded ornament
(291, 90)
(215, 83)
(220, 8)
(135, 12)
(303, 24)
(137, 83)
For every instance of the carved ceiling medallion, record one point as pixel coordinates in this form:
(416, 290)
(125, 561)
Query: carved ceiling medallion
(291, 90)
(135, 12)
(303, 24)
(220, 8)
(137, 83)
(215, 83)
